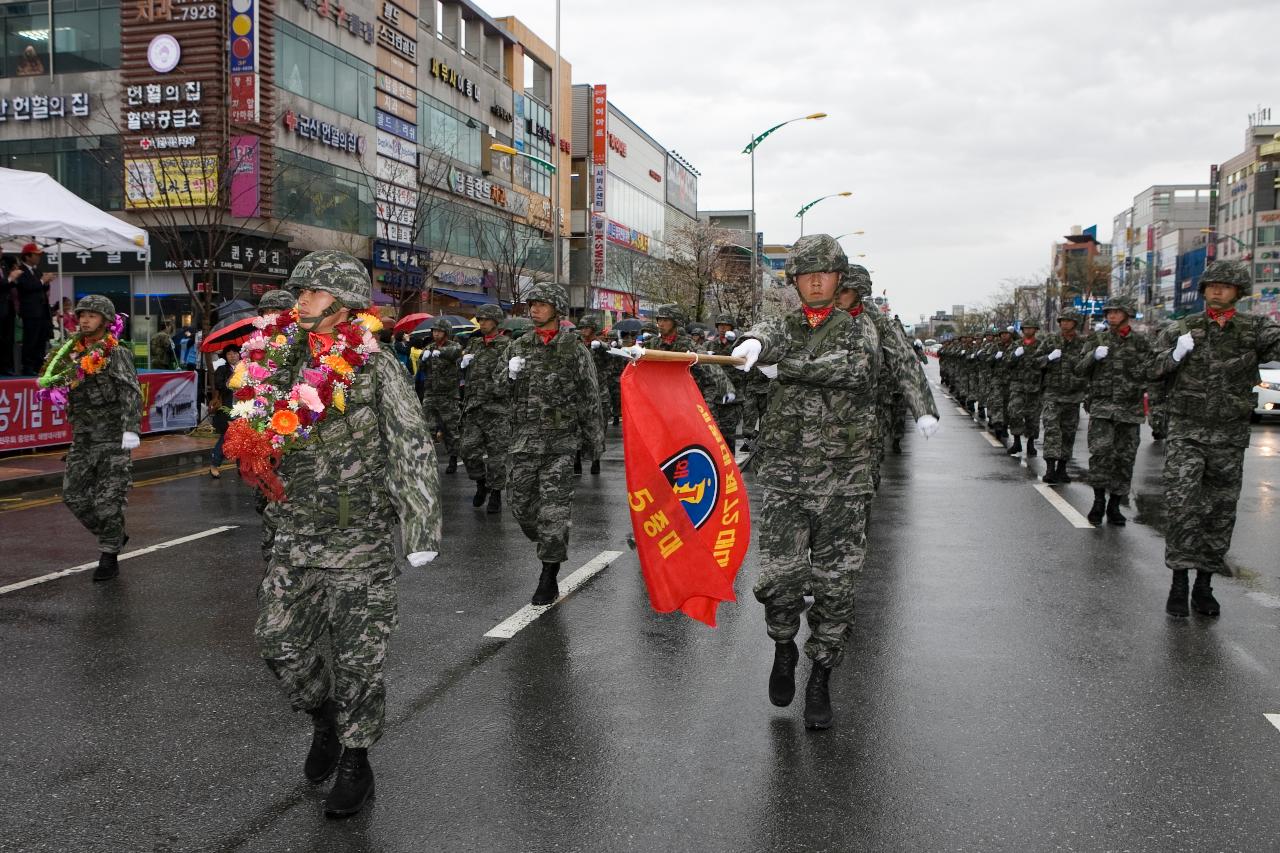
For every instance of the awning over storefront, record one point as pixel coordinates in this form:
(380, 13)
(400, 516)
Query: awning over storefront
(468, 297)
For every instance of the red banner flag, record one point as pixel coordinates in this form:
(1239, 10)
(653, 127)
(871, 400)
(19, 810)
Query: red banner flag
(689, 507)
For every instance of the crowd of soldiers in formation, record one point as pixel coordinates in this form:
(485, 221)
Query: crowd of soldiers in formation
(1192, 381)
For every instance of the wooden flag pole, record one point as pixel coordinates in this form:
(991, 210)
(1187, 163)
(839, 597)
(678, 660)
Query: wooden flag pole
(686, 357)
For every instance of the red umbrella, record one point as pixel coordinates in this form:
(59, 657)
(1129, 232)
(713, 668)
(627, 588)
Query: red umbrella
(409, 322)
(228, 333)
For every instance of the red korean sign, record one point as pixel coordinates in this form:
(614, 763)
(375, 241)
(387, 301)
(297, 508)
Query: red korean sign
(599, 124)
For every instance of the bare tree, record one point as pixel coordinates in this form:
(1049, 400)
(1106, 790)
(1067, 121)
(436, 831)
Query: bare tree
(694, 270)
(520, 255)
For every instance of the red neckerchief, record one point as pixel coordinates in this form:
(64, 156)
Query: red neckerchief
(1220, 315)
(547, 334)
(1028, 342)
(816, 316)
(319, 342)
(670, 339)
(1124, 331)
(855, 310)
(488, 339)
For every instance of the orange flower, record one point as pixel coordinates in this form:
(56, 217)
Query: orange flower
(91, 363)
(337, 364)
(284, 422)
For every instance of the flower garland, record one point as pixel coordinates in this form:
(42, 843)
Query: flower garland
(64, 370)
(269, 420)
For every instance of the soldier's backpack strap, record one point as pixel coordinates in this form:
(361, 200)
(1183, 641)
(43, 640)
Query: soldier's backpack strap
(824, 331)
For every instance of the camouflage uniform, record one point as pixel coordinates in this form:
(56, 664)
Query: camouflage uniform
(275, 301)
(555, 412)
(997, 404)
(1210, 402)
(1025, 382)
(162, 355)
(440, 403)
(603, 363)
(1063, 390)
(486, 422)
(711, 378)
(815, 462)
(327, 605)
(729, 415)
(101, 409)
(1116, 385)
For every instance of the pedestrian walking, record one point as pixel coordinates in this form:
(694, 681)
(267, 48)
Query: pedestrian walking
(327, 606)
(1117, 364)
(555, 412)
(94, 377)
(729, 415)
(486, 410)
(1210, 364)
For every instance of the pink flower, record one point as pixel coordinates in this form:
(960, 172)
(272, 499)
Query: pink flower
(312, 376)
(257, 371)
(257, 343)
(310, 397)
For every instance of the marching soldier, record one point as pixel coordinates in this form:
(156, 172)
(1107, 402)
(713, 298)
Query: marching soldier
(729, 415)
(555, 412)
(711, 378)
(998, 404)
(1211, 363)
(486, 422)
(327, 605)
(1116, 363)
(1025, 381)
(440, 362)
(589, 328)
(104, 407)
(1063, 393)
(814, 469)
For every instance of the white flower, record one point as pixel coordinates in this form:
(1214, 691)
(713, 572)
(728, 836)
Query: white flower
(262, 322)
(242, 409)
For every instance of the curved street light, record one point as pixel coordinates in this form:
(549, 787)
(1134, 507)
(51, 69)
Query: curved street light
(751, 149)
(507, 149)
(802, 211)
(851, 234)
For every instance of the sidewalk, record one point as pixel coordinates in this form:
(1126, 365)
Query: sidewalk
(33, 472)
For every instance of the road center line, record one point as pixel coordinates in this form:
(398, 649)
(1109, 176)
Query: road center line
(1274, 719)
(1059, 503)
(150, 549)
(525, 616)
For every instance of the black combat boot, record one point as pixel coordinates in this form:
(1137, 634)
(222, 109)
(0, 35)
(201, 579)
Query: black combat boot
(1050, 471)
(548, 590)
(577, 462)
(354, 786)
(453, 465)
(782, 678)
(108, 567)
(1017, 446)
(482, 492)
(1177, 603)
(495, 502)
(817, 699)
(1114, 516)
(1031, 447)
(897, 445)
(1202, 596)
(982, 413)
(1000, 432)
(595, 466)
(326, 749)
(1099, 506)
(1063, 476)
(616, 420)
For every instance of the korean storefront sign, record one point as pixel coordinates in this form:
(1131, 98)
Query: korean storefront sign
(598, 249)
(397, 149)
(345, 20)
(245, 176)
(400, 256)
(163, 106)
(180, 181)
(444, 73)
(308, 127)
(398, 126)
(628, 237)
(44, 107)
(599, 123)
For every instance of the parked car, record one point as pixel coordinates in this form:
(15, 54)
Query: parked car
(1267, 392)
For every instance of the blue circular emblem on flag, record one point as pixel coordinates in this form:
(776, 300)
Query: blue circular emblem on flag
(695, 479)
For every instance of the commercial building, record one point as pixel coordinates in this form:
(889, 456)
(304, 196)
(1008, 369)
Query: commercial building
(631, 196)
(1246, 226)
(1150, 235)
(1081, 271)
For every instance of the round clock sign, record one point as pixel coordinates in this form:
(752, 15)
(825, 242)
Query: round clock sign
(163, 53)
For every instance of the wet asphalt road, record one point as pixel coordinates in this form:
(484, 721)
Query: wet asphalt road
(1013, 684)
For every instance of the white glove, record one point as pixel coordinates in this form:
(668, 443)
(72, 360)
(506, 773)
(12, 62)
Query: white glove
(1100, 353)
(129, 441)
(614, 344)
(1018, 352)
(1055, 355)
(435, 353)
(749, 350)
(1100, 326)
(628, 352)
(730, 335)
(927, 424)
(1184, 346)
(597, 344)
(467, 359)
(1000, 355)
(419, 559)
(728, 398)
(770, 371)
(515, 365)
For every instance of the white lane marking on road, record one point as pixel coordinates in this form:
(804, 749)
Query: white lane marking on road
(992, 440)
(1266, 599)
(150, 549)
(525, 616)
(962, 411)
(1274, 719)
(1059, 503)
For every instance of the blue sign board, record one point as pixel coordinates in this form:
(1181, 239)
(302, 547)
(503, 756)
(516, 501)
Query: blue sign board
(395, 125)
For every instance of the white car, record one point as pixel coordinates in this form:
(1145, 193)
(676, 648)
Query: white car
(1267, 391)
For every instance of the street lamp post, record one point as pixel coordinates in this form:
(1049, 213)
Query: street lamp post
(802, 211)
(850, 234)
(751, 149)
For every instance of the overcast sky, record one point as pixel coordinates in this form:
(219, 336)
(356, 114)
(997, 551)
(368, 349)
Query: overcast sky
(972, 134)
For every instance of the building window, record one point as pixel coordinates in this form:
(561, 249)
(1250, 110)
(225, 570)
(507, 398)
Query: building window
(86, 37)
(89, 166)
(316, 70)
(317, 193)
(447, 132)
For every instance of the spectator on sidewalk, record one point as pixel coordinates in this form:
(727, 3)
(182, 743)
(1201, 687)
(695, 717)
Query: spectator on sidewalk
(222, 398)
(33, 307)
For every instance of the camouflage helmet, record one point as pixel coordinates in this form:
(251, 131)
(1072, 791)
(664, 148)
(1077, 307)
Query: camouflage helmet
(442, 325)
(1032, 322)
(1120, 303)
(1070, 313)
(815, 253)
(649, 328)
(276, 300)
(489, 312)
(1228, 272)
(725, 320)
(856, 278)
(339, 273)
(551, 293)
(670, 312)
(97, 303)
(590, 321)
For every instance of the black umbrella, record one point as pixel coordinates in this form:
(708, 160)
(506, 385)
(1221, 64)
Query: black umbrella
(233, 310)
(516, 324)
(631, 324)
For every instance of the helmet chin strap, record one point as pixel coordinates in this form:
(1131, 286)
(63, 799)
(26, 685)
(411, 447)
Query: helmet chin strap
(309, 323)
